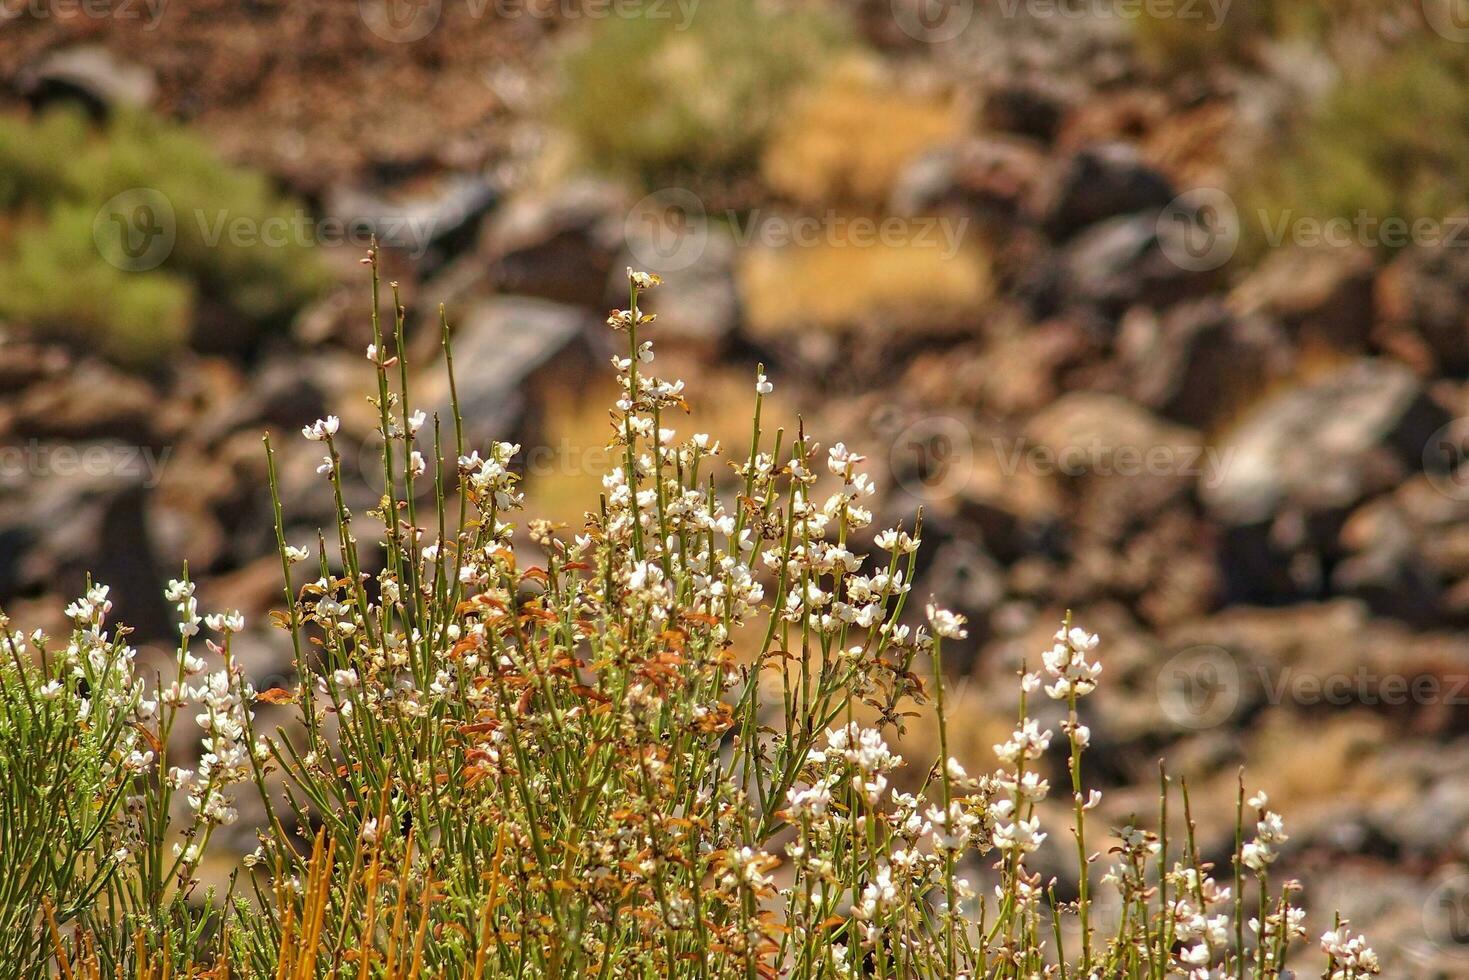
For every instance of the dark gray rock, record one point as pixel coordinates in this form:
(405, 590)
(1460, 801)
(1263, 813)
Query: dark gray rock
(1116, 264)
(91, 75)
(1325, 445)
(426, 223)
(1323, 295)
(1425, 293)
(1198, 363)
(558, 246)
(1100, 182)
(498, 344)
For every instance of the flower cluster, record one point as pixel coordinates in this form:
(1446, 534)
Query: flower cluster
(657, 744)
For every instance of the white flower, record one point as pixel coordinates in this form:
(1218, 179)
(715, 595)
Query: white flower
(1354, 957)
(763, 385)
(1195, 955)
(1067, 663)
(1257, 856)
(1022, 835)
(230, 622)
(642, 280)
(839, 458)
(322, 429)
(1026, 742)
(947, 624)
(896, 541)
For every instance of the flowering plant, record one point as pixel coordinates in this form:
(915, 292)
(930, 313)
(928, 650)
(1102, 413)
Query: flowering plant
(657, 744)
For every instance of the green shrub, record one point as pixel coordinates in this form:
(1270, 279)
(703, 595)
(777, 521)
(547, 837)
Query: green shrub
(55, 280)
(1172, 42)
(71, 759)
(1392, 143)
(57, 175)
(36, 156)
(650, 94)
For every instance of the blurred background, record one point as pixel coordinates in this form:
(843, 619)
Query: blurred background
(1158, 308)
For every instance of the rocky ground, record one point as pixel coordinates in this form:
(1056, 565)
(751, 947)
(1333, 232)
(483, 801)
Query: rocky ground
(1247, 477)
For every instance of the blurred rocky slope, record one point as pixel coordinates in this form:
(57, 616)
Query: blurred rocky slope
(989, 257)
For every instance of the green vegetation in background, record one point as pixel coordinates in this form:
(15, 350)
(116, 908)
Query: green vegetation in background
(57, 171)
(1390, 144)
(652, 95)
(1172, 42)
